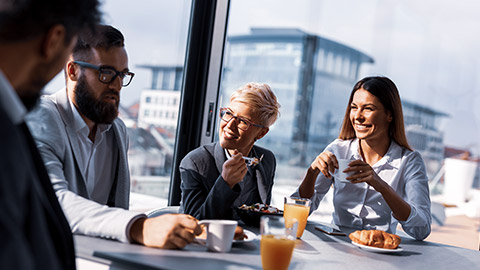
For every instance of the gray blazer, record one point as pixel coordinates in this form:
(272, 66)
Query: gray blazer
(52, 127)
(204, 192)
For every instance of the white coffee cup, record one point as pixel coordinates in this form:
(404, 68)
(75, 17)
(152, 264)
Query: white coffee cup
(339, 174)
(220, 234)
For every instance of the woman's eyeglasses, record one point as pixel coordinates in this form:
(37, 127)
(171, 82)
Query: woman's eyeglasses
(242, 123)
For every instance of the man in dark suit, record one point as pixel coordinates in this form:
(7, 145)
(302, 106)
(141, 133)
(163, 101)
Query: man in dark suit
(215, 177)
(36, 38)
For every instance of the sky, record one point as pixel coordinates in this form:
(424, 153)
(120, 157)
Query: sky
(428, 48)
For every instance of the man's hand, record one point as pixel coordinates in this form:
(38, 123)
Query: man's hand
(234, 169)
(169, 231)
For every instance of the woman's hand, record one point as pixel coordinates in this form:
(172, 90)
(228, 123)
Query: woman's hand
(326, 163)
(363, 172)
(234, 169)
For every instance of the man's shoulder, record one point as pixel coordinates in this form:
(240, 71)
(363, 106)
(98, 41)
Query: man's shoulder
(46, 108)
(120, 124)
(45, 121)
(14, 159)
(9, 130)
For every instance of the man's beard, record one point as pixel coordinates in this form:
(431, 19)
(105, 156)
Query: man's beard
(97, 110)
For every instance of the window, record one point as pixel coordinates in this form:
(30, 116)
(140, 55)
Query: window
(155, 39)
(424, 47)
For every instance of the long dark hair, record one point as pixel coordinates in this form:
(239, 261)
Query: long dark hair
(385, 90)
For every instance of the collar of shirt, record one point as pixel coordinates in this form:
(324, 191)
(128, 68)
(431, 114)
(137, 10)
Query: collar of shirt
(10, 101)
(227, 154)
(249, 168)
(392, 156)
(82, 128)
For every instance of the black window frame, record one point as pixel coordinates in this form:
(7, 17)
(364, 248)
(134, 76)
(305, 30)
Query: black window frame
(201, 81)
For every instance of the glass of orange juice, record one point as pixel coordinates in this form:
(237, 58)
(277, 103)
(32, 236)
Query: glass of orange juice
(297, 208)
(277, 242)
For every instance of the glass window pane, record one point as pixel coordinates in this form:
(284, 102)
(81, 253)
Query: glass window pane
(155, 39)
(312, 53)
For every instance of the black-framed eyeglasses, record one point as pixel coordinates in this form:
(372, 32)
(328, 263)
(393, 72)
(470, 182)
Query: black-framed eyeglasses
(226, 115)
(108, 74)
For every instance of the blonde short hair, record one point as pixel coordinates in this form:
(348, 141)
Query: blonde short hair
(259, 97)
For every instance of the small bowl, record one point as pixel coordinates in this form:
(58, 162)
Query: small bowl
(252, 218)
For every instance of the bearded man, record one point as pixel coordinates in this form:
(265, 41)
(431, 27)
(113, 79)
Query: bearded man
(84, 147)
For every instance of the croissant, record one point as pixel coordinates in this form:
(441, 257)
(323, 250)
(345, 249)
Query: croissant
(376, 238)
(239, 234)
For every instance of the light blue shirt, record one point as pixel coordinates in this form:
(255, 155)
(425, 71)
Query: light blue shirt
(95, 159)
(360, 206)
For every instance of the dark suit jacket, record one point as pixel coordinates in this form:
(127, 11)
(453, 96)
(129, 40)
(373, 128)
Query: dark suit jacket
(34, 233)
(205, 195)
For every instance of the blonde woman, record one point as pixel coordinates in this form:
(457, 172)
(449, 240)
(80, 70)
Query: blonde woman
(215, 177)
(389, 182)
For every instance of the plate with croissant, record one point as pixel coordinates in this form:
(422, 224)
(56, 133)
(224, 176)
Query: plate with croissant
(376, 241)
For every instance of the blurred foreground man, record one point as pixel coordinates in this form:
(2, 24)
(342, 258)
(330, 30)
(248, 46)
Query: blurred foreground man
(36, 38)
(84, 146)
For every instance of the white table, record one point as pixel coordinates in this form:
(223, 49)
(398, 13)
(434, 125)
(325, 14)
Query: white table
(316, 250)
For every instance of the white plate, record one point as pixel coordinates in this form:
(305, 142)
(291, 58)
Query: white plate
(251, 236)
(377, 249)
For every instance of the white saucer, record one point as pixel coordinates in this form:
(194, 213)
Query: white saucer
(377, 249)
(251, 236)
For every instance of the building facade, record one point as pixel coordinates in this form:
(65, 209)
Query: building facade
(312, 77)
(159, 104)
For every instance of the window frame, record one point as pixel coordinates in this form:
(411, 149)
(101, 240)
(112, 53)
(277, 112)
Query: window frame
(201, 81)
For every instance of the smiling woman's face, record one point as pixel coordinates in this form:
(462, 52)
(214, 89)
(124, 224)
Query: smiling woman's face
(369, 118)
(231, 137)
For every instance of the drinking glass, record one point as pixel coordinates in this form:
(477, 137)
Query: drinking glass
(277, 242)
(297, 208)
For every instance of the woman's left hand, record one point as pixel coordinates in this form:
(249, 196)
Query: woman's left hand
(363, 172)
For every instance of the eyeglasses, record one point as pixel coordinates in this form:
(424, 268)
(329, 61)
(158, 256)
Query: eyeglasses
(108, 74)
(242, 123)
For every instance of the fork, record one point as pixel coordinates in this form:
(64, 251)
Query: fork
(253, 160)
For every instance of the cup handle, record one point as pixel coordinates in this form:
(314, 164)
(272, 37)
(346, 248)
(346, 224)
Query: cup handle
(204, 222)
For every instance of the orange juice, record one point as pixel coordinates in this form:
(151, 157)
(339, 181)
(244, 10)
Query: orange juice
(300, 212)
(276, 251)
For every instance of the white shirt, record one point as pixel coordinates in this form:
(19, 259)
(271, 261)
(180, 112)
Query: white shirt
(95, 159)
(10, 101)
(360, 206)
